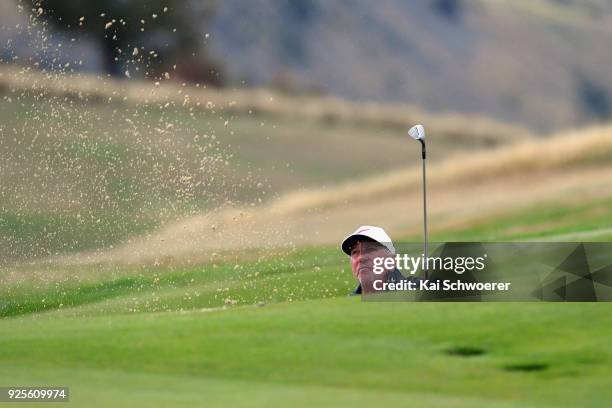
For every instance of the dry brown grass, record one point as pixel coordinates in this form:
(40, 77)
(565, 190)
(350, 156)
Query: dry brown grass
(259, 101)
(568, 150)
(464, 191)
(461, 188)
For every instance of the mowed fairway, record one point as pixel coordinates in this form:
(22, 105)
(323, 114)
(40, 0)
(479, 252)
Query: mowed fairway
(290, 336)
(339, 352)
(281, 331)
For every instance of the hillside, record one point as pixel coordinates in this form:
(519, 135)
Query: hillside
(89, 162)
(286, 250)
(540, 64)
(185, 171)
(518, 191)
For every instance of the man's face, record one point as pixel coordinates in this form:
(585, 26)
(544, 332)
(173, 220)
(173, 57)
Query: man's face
(362, 263)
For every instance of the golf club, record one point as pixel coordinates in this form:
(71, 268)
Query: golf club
(417, 132)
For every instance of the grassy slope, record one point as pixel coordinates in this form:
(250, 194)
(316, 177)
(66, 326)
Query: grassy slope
(307, 273)
(84, 205)
(583, 221)
(301, 353)
(193, 335)
(71, 182)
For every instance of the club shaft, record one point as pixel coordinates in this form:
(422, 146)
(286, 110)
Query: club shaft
(426, 238)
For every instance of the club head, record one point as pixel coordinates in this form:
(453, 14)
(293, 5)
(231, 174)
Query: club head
(417, 132)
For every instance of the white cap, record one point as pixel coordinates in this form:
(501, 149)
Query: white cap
(374, 233)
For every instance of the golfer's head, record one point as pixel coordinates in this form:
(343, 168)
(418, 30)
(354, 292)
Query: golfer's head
(365, 255)
(367, 247)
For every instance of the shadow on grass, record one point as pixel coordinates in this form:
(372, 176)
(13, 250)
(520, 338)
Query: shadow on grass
(465, 351)
(527, 367)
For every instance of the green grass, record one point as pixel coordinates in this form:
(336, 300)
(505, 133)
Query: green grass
(281, 330)
(32, 235)
(307, 273)
(304, 274)
(588, 220)
(340, 350)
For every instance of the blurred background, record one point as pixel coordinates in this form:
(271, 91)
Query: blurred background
(139, 130)
(539, 64)
(204, 159)
(124, 118)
